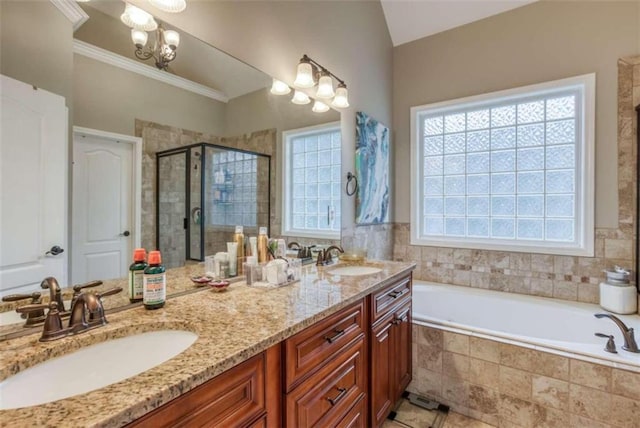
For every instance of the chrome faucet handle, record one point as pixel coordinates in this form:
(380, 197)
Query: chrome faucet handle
(611, 344)
(627, 333)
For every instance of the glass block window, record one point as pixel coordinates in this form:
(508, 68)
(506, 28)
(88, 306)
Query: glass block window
(232, 187)
(512, 170)
(311, 177)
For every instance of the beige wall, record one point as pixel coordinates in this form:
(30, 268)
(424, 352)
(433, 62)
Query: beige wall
(42, 54)
(350, 38)
(536, 43)
(110, 99)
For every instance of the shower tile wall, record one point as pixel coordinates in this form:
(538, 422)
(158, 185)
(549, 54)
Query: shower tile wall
(157, 137)
(172, 206)
(562, 277)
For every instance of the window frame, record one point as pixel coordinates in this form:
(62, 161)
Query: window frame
(583, 244)
(287, 185)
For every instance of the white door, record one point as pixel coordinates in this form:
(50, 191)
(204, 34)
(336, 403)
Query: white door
(103, 222)
(33, 186)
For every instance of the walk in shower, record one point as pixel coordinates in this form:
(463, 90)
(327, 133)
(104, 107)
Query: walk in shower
(204, 191)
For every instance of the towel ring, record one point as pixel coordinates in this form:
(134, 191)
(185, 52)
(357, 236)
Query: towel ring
(351, 177)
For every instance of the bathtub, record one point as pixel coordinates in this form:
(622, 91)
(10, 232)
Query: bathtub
(548, 325)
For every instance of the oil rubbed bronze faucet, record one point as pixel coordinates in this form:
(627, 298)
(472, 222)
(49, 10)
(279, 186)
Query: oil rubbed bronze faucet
(55, 293)
(627, 333)
(87, 312)
(324, 257)
(34, 317)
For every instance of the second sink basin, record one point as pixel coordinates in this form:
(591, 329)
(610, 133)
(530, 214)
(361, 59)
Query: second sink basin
(92, 368)
(355, 270)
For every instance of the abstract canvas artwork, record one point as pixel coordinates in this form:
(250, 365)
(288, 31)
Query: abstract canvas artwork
(372, 170)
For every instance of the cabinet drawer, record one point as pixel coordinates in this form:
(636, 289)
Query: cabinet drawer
(312, 347)
(389, 298)
(357, 416)
(328, 395)
(234, 398)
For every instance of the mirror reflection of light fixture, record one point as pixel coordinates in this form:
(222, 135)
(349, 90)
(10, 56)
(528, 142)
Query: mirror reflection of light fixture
(171, 6)
(300, 98)
(164, 47)
(341, 99)
(138, 19)
(278, 87)
(319, 107)
(311, 73)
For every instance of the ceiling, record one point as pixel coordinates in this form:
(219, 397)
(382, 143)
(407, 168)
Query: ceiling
(410, 20)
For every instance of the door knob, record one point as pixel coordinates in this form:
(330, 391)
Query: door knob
(125, 233)
(54, 251)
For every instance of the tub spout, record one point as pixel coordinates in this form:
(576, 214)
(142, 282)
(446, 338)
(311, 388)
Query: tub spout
(627, 333)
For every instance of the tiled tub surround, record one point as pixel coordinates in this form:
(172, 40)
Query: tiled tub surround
(507, 382)
(231, 327)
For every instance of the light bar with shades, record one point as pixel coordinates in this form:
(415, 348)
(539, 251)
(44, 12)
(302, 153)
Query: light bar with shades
(310, 73)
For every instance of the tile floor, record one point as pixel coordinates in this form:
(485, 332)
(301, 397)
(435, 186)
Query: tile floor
(410, 416)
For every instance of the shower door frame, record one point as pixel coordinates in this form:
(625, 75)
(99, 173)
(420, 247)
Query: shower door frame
(187, 151)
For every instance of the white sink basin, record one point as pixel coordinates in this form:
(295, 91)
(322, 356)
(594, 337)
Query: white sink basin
(92, 368)
(355, 270)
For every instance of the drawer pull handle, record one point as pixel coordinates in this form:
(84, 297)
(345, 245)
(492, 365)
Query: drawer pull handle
(396, 294)
(396, 321)
(341, 394)
(338, 334)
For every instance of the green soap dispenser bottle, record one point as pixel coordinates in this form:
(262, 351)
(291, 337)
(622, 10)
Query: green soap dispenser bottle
(136, 271)
(155, 282)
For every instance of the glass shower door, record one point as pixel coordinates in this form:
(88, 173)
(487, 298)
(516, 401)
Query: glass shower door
(172, 203)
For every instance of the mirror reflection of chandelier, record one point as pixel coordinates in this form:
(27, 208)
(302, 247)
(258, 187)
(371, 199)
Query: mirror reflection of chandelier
(166, 42)
(164, 47)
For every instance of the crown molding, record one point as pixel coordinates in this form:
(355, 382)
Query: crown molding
(102, 55)
(72, 11)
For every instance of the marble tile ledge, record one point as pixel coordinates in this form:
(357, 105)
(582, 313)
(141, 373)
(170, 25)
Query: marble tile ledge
(232, 326)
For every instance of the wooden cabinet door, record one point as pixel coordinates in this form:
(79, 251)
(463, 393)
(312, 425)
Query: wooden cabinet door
(382, 361)
(401, 355)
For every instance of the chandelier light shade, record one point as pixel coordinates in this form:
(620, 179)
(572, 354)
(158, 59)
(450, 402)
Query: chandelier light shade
(138, 19)
(341, 99)
(319, 107)
(278, 87)
(139, 38)
(325, 86)
(171, 6)
(300, 98)
(171, 39)
(304, 78)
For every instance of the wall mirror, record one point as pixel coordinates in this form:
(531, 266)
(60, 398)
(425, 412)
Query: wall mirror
(231, 107)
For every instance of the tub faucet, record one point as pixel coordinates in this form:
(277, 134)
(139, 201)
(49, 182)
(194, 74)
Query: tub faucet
(627, 333)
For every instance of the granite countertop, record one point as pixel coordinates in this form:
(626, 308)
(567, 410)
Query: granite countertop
(232, 326)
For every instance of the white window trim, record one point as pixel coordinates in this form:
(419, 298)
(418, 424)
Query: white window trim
(287, 229)
(584, 245)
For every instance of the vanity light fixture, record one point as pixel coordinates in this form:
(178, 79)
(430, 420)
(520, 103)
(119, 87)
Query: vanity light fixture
(171, 6)
(278, 87)
(311, 73)
(164, 47)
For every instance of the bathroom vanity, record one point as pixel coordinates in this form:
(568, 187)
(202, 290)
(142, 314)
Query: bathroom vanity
(331, 350)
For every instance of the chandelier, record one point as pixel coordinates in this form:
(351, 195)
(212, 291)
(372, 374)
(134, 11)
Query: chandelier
(166, 42)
